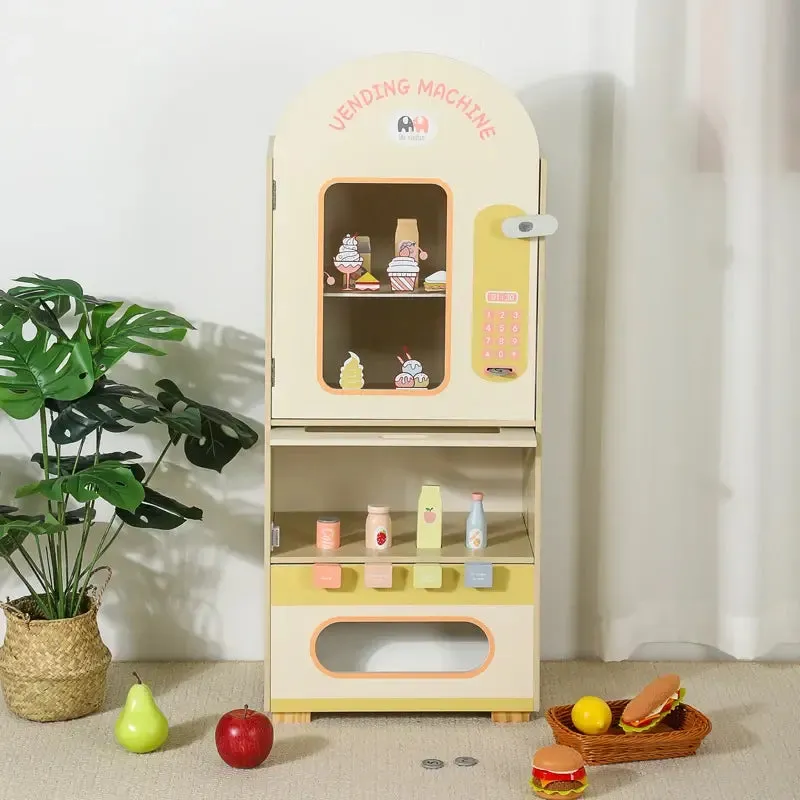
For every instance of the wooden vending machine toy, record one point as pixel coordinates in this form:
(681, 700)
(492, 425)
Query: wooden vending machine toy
(405, 317)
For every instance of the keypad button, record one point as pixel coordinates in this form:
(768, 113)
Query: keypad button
(487, 328)
(487, 340)
(487, 353)
(515, 329)
(501, 341)
(514, 355)
(487, 314)
(515, 315)
(500, 314)
(514, 341)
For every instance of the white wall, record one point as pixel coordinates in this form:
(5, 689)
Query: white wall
(133, 150)
(132, 153)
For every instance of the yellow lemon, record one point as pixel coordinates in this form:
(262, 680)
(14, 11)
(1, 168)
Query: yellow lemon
(591, 715)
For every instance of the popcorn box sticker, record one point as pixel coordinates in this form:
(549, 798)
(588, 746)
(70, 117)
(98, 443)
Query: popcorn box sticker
(327, 576)
(478, 576)
(427, 576)
(378, 576)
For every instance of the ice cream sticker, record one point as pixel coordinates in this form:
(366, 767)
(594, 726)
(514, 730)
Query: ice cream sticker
(411, 375)
(351, 374)
(348, 260)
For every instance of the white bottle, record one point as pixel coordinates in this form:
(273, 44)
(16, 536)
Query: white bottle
(476, 524)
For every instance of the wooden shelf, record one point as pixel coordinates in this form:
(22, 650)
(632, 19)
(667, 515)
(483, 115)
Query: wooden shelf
(384, 291)
(507, 535)
(334, 436)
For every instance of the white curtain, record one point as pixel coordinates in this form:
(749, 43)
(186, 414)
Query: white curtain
(690, 490)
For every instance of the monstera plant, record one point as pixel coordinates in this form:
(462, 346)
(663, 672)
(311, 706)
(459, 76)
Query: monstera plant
(58, 350)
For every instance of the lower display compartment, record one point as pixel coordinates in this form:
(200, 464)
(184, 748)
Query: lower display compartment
(405, 649)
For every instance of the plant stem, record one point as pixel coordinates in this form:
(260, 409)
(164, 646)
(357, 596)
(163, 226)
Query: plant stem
(104, 545)
(88, 508)
(39, 576)
(34, 594)
(55, 566)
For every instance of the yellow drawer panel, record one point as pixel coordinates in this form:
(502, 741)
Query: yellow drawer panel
(293, 585)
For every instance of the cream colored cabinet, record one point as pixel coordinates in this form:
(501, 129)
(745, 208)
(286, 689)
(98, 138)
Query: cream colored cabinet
(397, 294)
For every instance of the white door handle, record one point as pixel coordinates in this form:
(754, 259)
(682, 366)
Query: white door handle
(530, 227)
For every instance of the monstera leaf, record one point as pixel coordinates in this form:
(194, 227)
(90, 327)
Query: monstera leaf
(105, 406)
(68, 466)
(41, 368)
(184, 422)
(15, 528)
(113, 340)
(11, 306)
(58, 296)
(222, 436)
(109, 480)
(157, 511)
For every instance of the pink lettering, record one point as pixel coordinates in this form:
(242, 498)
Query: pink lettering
(463, 102)
(362, 98)
(354, 104)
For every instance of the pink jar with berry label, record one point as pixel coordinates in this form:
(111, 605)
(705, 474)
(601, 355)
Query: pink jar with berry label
(379, 528)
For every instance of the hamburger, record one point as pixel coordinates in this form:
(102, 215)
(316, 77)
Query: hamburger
(558, 773)
(652, 704)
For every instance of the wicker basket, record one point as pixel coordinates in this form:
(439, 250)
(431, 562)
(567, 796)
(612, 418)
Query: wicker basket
(52, 670)
(678, 735)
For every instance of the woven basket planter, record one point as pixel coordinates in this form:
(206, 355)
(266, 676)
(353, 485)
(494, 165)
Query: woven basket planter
(52, 670)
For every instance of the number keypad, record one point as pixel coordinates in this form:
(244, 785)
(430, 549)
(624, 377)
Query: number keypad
(502, 337)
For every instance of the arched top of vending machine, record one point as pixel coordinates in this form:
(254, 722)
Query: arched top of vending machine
(408, 114)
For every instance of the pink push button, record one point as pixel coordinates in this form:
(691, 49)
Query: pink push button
(378, 576)
(327, 576)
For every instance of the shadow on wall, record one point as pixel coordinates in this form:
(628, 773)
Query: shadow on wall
(632, 354)
(167, 584)
(163, 601)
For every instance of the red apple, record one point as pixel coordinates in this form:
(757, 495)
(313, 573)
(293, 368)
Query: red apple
(429, 515)
(244, 738)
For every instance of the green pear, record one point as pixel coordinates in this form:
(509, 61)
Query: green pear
(141, 727)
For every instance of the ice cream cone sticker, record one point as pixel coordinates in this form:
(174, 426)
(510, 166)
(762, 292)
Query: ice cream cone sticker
(351, 374)
(348, 260)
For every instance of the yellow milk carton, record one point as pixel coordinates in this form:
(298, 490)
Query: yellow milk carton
(429, 518)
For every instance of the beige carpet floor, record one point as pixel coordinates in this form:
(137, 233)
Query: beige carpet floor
(752, 752)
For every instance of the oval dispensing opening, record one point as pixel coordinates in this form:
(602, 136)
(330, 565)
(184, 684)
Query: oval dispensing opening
(402, 647)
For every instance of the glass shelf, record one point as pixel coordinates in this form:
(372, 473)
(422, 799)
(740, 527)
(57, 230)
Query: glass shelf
(508, 538)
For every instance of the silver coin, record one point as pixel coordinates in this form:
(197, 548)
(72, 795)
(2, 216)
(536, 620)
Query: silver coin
(465, 761)
(432, 763)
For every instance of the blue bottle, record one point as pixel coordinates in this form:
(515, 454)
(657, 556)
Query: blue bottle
(476, 524)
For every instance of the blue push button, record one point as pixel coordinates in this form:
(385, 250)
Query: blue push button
(478, 576)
